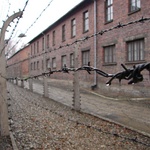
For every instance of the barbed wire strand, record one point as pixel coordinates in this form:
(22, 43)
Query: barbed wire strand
(31, 25)
(17, 22)
(134, 74)
(9, 4)
(119, 25)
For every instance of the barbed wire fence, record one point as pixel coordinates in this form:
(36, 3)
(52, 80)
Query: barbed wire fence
(133, 75)
(13, 30)
(44, 106)
(34, 22)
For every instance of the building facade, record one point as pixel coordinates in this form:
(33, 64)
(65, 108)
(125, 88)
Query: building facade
(57, 45)
(18, 64)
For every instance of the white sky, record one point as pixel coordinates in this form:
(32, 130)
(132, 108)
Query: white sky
(56, 10)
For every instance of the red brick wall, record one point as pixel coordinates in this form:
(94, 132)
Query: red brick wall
(119, 36)
(78, 15)
(16, 67)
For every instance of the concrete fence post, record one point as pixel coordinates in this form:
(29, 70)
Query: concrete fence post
(22, 83)
(16, 81)
(4, 127)
(45, 86)
(13, 81)
(31, 85)
(76, 88)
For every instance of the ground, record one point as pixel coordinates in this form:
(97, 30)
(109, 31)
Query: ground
(39, 123)
(5, 143)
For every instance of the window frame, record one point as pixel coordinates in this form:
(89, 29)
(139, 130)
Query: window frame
(43, 43)
(54, 62)
(31, 49)
(37, 46)
(37, 65)
(54, 35)
(34, 66)
(34, 48)
(136, 8)
(73, 28)
(85, 57)
(136, 55)
(62, 60)
(107, 15)
(63, 33)
(86, 21)
(47, 41)
(42, 64)
(72, 60)
(48, 64)
(109, 54)
(31, 67)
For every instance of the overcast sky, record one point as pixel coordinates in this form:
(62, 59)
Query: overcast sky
(34, 8)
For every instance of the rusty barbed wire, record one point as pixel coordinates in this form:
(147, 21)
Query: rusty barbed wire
(134, 74)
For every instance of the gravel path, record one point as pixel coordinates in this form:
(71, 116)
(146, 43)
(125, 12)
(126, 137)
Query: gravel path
(5, 143)
(38, 123)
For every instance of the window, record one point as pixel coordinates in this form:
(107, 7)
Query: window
(85, 21)
(85, 57)
(63, 61)
(42, 65)
(31, 66)
(31, 50)
(54, 62)
(47, 43)
(34, 48)
(43, 43)
(109, 10)
(135, 5)
(135, 50)
(48, 65)
(109, 54)
(72, 60)
(37, 46)
(37, 65)
(63, 33)
(73, 28)
(53, 37)
(34, 66)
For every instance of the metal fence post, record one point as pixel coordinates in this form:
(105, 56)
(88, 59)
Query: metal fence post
(76, 88)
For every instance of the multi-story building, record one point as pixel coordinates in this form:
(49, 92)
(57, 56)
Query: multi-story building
(128, 45)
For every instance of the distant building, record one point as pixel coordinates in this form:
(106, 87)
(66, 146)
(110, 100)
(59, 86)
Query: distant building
(128, 45)
(18, 64)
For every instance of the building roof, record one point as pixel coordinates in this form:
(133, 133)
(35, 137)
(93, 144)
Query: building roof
(81, 4)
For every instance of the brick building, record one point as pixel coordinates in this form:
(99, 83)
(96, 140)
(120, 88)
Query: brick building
(18, 64)
(125, 45)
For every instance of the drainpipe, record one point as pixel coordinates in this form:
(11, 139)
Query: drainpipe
(95, 44)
